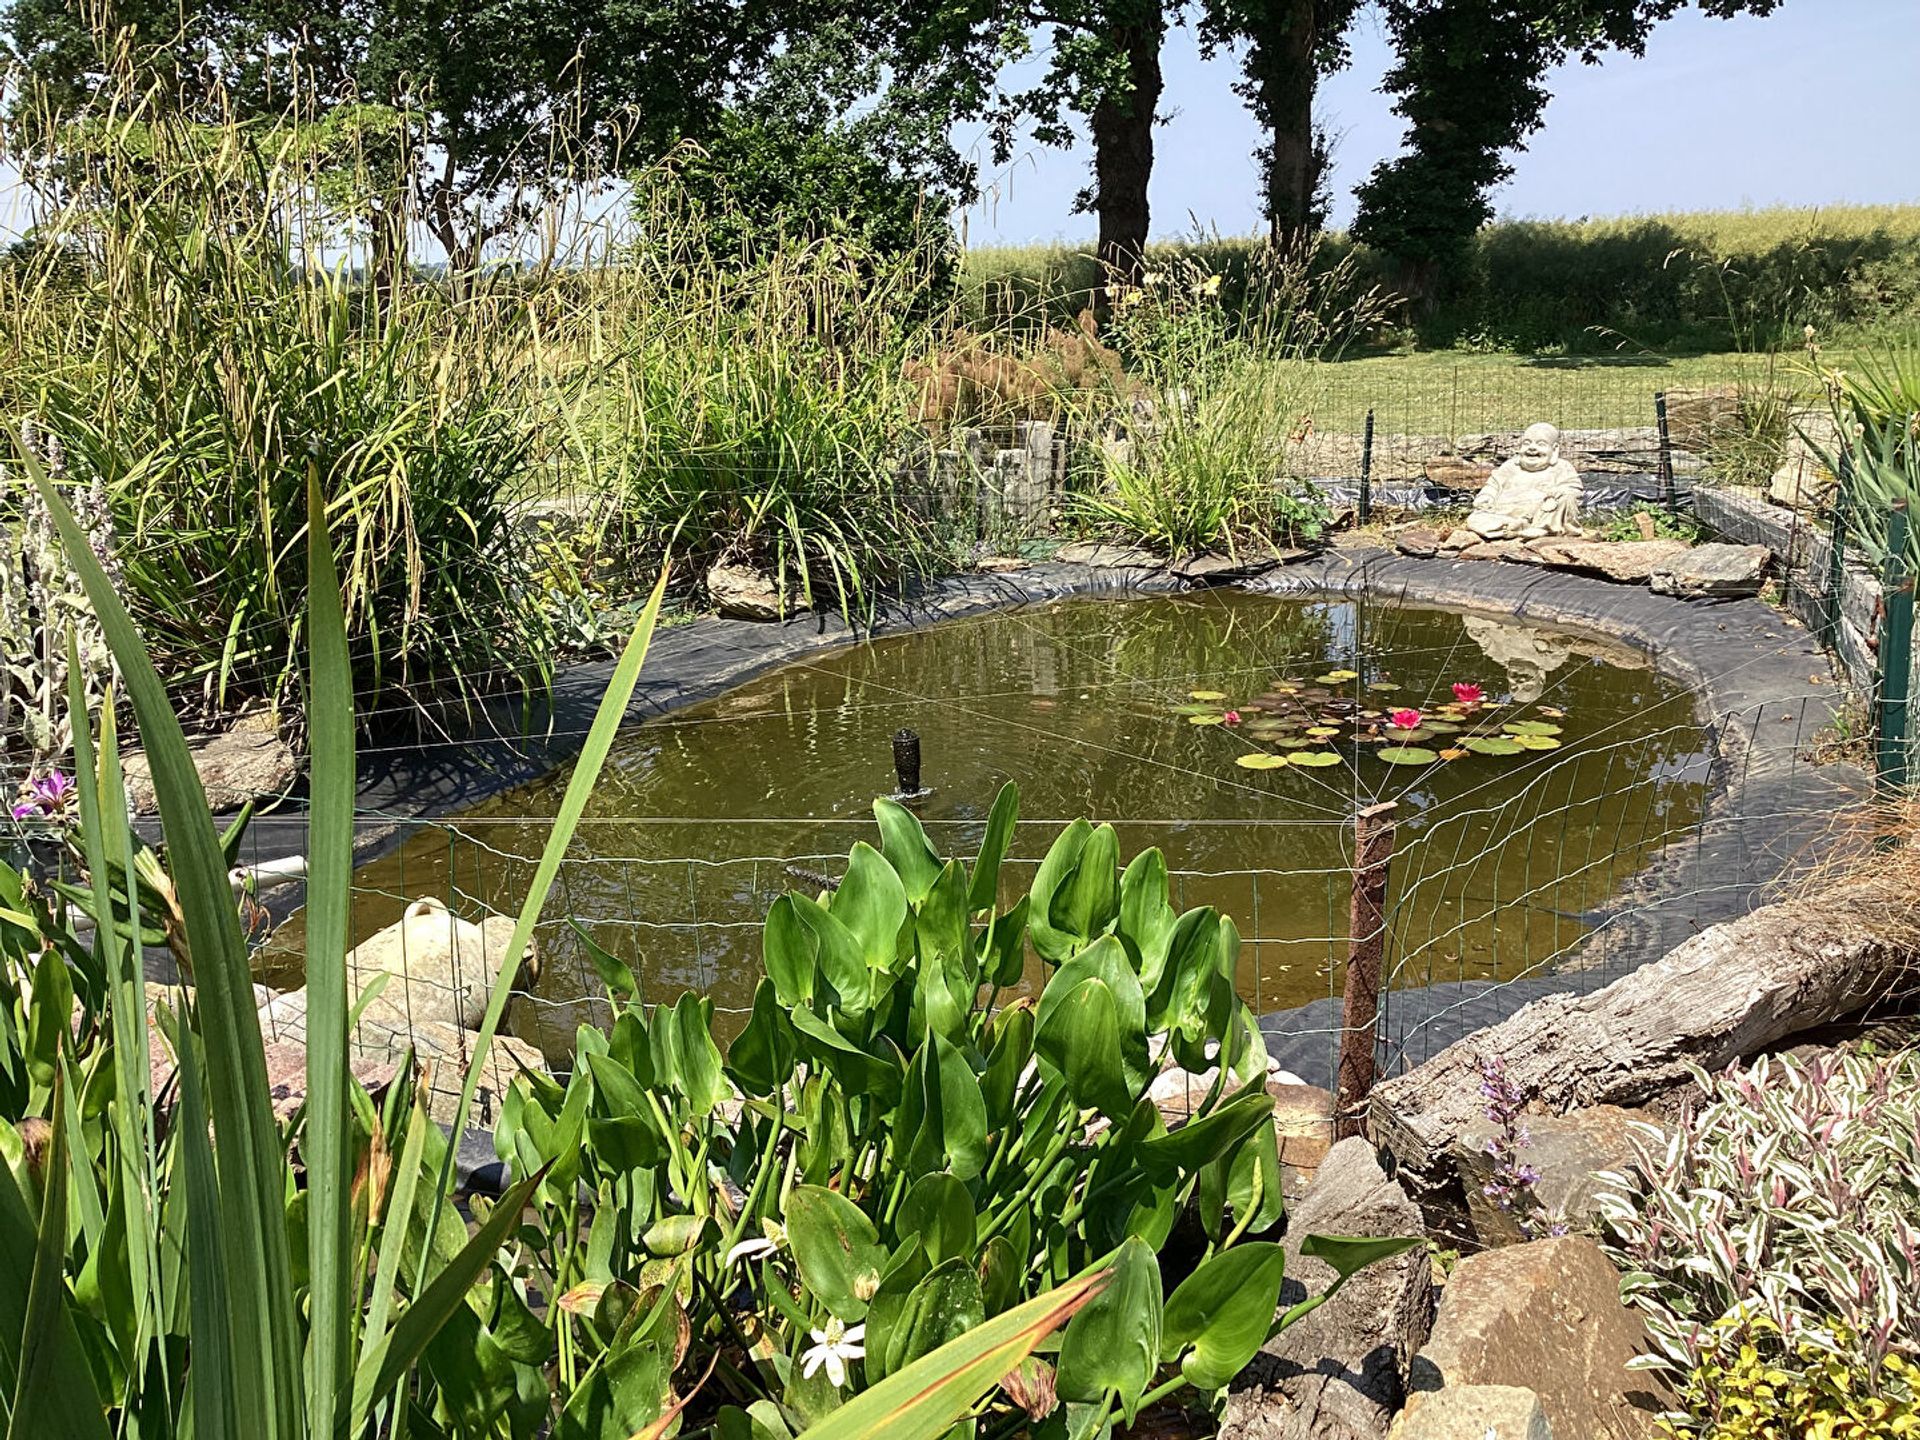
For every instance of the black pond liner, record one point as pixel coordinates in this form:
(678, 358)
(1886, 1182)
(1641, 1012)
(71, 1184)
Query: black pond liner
(1752, 672)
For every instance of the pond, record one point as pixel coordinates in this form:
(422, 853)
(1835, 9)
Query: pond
(1238, 732)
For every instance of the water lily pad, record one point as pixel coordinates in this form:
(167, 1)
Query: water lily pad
(1536, 742)
(1295, 742)
(1337, 677)
(1383, 685)
(1552, 713)
(1494, 745)
(1531, 727)
(1317, 759)
(1397, 736)
(1209, 717)
(1408, 755)
(1260, 760)
(1207, 694)
(1323, 730)
(1440, 727)
(1196, 709)
(1453, 752)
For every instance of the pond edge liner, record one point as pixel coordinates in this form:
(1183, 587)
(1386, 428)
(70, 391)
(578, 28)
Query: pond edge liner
(1738, 658)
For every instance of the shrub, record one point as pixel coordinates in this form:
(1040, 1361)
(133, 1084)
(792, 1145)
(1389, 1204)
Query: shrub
(1744, 1393)
(1783, 1214)
(1195, 454)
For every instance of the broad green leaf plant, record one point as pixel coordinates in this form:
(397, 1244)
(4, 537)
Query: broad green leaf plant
(895, 1153)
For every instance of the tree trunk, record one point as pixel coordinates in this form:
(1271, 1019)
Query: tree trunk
(1283, 74)
(1122, 125)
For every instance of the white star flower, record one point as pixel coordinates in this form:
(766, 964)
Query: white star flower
(833, 1347)
(772, 1238)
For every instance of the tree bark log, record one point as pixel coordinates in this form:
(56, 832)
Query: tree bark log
(1730, 991)
(1122, 126)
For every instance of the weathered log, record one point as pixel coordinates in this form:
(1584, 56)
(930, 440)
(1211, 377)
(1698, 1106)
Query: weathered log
(1726, 993)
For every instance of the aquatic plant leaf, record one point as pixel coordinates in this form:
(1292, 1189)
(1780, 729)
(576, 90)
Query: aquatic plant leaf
(1383, 685)
(1453, 752)
(983, 889)
(1537, 742)
(1323, 730)
(1493, 745)
(1338, 677)
(1196, 709)
(1260, 760)
(1207, 694)
(837, 1249)
(1530, 727)
(1315, 759)
(1207, 717)
(1440, 727)
(1223, 1310)
(1397, 735)
(1114, 1343)
(1408, 755)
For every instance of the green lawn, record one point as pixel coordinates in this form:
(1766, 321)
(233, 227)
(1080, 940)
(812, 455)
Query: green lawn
(1453, 392)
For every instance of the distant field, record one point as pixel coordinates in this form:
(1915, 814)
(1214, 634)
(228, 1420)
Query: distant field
(1701, 284)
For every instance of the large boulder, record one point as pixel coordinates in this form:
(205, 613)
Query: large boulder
(1568, 1151)
(1803, 480)
(1473, 1412)
(1341, 1372)
(1714, 572)
(247, 763)
(1546, 1316)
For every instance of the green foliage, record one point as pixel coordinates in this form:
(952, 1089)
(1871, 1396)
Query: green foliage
(1876, 411)
(1195, 457)
(179, 1279)
(1780, 1219)
(908, 1160)
(1667, 525)
(1743, 1393)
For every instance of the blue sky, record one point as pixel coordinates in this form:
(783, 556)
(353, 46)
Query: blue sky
(1817, 104)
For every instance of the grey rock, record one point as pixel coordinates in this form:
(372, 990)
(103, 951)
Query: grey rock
(1625, 562)
(1546, 1315)
(1212, 569)
(741, 593)
(1714, 572)
(1419, 541)
(1568, 1150)
(1340, 1373)
(1474, 1412)
(249, 762)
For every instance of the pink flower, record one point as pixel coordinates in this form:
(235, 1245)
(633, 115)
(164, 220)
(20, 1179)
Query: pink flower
(1404, 719)
(1232, 717)
(1468, 694)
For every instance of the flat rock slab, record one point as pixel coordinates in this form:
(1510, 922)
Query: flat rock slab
(245, 764)
(1545, 1316)
(1568, 1151)
(1714, 572)
(1339, 1373)
(1625, 562)
(740, 592)
(1101, 556)
(1473, 1412)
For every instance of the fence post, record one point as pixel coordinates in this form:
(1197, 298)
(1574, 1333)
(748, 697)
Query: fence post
(1366, 951)
(1836, 550)
(1665, 461)
(1896, 656)
(1365, 511)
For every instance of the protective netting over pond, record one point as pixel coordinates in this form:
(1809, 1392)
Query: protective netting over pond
(1239, 733)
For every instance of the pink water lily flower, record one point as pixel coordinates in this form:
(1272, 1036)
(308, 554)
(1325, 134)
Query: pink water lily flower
(1468, 694)
(1404, 719)
(1232, 717)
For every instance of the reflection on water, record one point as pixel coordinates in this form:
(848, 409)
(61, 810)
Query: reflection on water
(700, 815)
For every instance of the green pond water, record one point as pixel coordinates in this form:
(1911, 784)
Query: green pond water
(1508, 839)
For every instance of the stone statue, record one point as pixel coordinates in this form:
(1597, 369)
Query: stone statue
(1527, 655)
(1535, 493)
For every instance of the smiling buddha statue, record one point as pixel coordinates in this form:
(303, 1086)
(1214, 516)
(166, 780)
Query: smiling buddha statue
(1536, 493)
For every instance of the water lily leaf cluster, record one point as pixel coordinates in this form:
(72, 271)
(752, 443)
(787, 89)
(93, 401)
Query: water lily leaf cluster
(1342, 715)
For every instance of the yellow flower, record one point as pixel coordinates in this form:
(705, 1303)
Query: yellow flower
(1208, 288)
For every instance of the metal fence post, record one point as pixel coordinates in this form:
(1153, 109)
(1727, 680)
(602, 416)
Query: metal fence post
(1665, 461)
(1366, 952)
(1896, 656)
(1365, 510)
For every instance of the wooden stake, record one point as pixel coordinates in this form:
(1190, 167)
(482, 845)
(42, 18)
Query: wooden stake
(1366, 954)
